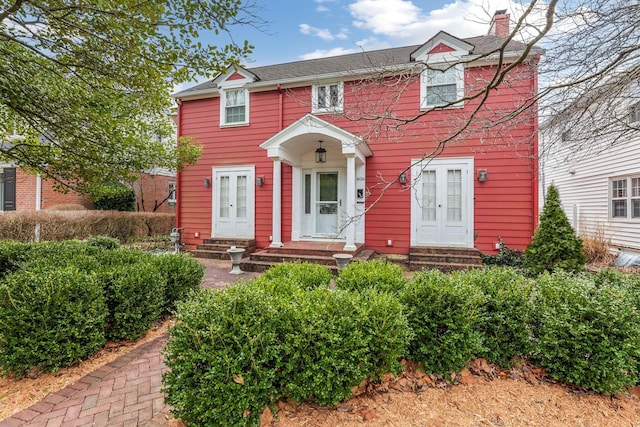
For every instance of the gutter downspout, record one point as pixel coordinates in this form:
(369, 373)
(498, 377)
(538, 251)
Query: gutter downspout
(535, 152)
(280, 107)
(38, 205)
(178, 173)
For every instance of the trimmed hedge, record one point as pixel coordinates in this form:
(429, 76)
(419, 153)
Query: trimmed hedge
(305, 274)
(373, 274)
(233, 352)
(586, 334)
(444, 313)
(47, 285)
(49, 319)
(182, 275)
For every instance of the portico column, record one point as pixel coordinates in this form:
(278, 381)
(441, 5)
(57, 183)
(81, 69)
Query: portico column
(276, 225)
(350, 231)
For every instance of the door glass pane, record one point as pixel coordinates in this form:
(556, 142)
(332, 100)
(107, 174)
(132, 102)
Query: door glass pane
(307, 194)
(454, 195)
(224, 197)
(429, 195)
(328, 186)
(241, 197)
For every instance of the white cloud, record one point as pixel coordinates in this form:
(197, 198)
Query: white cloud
(322, 9)
(322, 33)
(403, 21)
(321, 53)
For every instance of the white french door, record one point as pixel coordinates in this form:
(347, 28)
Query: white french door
(442, 203)
(323, 197)
(233, 202)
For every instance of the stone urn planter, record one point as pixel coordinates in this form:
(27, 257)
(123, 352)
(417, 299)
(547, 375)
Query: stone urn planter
(342, 260)
(236, 258)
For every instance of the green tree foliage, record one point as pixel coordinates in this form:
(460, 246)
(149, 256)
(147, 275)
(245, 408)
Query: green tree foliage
(113, 197)
(86, 85)
(555, 245)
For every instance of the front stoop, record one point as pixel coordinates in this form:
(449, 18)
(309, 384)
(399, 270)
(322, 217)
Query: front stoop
(443, 258)
(217, 248)
(317, 253)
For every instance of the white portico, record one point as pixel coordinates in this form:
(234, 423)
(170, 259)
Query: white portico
(327, 193)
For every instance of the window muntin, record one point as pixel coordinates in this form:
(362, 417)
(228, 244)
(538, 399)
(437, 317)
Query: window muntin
(625, 198)
(327, 98)
(442, 85)
(235, 106)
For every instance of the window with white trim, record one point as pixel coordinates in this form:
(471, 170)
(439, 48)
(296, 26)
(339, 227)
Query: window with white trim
(234, 105)
(172, 192)
(625, 198)
(327, 98)
(442, 85)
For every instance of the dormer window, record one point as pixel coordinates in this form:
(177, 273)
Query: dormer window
(327, 98)
(235, 107)
(442, 85)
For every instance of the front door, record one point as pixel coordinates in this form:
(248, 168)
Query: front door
(442, 203)
(323, 200)
(233, 202)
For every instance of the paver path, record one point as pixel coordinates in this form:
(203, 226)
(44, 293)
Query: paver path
(125, 392)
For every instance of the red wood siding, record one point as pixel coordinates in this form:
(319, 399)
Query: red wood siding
(504, 205)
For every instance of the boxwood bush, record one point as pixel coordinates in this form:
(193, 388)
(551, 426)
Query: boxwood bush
(235, 351)
(504, 321)
(135, 298)
(182, 275)
(223, 354)
(11, 255)
(586, 334)
(49, 318)
(306, 274)
(376, 274)
(444, 313)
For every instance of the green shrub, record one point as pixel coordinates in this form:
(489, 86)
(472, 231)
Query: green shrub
(104, 242)
(555, 245)
(443, 313)
(223, 354)
(306, 274)
(506, 257)
(235, 351)
(376, 274)
(113, 197)
(135, 298)
(182, 275)
(586, 334)
(49, 318)
(11, 255)
(332, 346)
(506, 313)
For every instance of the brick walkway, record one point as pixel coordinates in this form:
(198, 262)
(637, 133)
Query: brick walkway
(125, 392)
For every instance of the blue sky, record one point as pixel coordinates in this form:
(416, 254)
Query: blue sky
(304, 29)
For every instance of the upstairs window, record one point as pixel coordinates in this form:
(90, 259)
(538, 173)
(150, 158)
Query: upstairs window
(327, 98)
(441, 86)
(235, 107)
(625, 198)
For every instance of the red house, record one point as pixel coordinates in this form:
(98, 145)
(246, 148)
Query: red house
(394, 150)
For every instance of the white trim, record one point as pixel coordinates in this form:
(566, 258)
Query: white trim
(251, 200)
(328, 109)
(417, 166)
(223, 107)
(459, 72)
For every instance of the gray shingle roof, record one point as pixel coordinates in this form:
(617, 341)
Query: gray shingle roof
(354, 61)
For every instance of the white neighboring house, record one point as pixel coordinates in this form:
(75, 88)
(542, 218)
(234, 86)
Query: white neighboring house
(591, 153)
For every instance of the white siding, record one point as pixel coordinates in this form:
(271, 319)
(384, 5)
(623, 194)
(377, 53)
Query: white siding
(583, 181)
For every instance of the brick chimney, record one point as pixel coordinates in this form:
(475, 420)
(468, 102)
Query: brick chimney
(500, 23)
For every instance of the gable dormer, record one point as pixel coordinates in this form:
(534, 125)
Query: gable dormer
(442, 81)
(234, 96)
